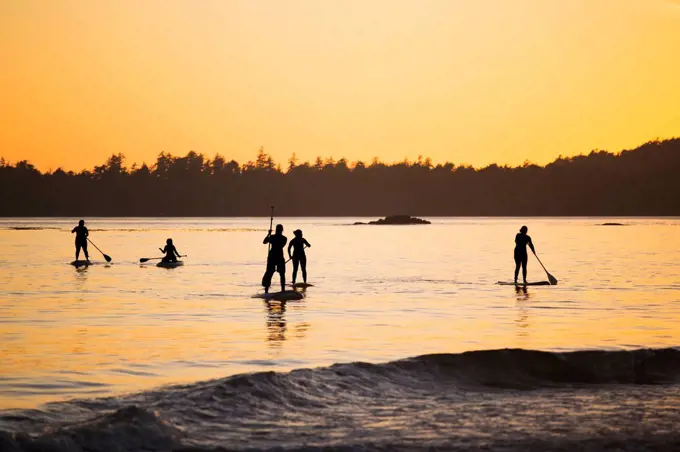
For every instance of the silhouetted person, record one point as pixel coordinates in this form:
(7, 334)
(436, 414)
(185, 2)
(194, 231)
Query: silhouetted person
(299, 258)
(171, 253)
(81, 239)
(521, 256)
(275, 260)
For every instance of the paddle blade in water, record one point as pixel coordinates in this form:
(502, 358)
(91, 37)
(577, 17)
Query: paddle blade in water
(107, 257)
(551, 278)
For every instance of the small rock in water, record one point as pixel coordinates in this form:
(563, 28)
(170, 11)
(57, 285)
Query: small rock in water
(397, 219)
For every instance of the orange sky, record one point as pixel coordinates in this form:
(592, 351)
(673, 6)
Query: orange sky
(460, 80)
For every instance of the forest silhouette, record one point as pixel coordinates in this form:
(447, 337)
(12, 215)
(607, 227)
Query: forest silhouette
(642, 181)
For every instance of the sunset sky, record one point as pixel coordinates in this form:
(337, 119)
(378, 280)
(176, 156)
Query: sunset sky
(468, 81)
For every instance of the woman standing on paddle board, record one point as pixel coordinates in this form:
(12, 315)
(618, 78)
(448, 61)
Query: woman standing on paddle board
(521, 256)
(299, 257)
(275, 260)
(81, 239)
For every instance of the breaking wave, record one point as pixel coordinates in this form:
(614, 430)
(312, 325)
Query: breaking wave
(500, 399)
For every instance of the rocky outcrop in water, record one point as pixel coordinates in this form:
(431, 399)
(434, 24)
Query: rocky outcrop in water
(397, 219)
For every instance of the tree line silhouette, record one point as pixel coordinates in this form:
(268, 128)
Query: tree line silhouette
(643, 181)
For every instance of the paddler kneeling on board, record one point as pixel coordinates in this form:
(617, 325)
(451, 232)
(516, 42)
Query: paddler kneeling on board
(275, 260)
(521, 255)
(81, 239)
(171, 253)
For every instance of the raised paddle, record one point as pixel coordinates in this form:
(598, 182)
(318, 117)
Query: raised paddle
(551, 278)
(147, 259)
(271, 224)
(106, 256)
(269, 247)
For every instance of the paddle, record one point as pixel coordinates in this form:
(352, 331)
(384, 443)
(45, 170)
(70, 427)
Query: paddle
(551, 278)
(269, 247)
(291, 258)
(106, 256)
(271, 224)
(147, 259)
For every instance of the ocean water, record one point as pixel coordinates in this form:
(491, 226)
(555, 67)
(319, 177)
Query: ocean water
(404, 342)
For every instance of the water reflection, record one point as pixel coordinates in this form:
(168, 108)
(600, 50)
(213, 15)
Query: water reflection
(522, 320)
(99, 320)
(276, 322)
(300, 330)
(79, 343)
(522, 293)
(81, 277)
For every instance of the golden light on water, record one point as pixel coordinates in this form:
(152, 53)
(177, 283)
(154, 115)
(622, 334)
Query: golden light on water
(129, 327)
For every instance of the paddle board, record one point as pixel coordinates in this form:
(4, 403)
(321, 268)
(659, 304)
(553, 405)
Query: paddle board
(301, 285)
(80, 263)
(537, 283)
(170, 264)
(287, 295)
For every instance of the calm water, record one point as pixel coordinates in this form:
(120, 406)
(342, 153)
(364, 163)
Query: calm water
(381, 293)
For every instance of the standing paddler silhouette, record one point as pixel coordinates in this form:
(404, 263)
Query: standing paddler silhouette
(266, 278)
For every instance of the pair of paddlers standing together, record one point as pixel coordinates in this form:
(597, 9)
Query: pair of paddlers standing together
(276, 261)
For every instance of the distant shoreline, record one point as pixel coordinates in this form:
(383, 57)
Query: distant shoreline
(68, 217)
(638, 183)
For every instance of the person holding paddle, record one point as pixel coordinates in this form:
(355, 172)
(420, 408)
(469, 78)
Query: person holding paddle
(275, 260)
(171, 253)
(81, 239)
(299, 258)
(521, 255)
